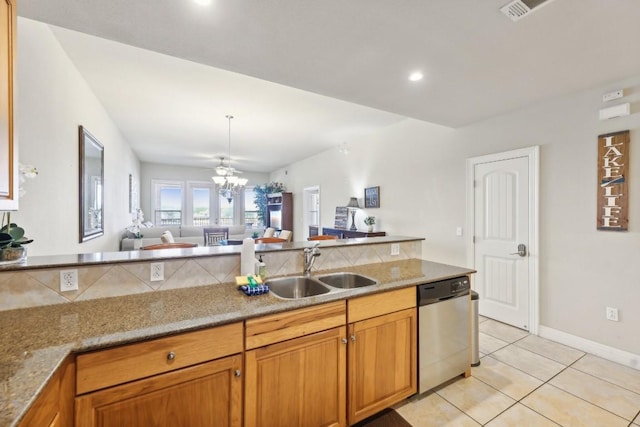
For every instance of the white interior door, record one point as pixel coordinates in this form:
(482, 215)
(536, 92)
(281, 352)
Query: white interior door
(501, 239)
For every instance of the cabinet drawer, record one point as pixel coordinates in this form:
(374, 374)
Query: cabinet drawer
(292, 324)
(379, 304)
(118, 365)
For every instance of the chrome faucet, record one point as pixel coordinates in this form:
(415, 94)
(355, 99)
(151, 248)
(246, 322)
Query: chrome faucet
(310, 255)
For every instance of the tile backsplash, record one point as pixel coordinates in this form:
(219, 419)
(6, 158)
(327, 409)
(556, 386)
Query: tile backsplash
(36, 287)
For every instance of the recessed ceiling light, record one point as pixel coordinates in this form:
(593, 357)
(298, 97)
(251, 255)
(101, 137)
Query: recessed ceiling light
(203, 2)
(416, 76)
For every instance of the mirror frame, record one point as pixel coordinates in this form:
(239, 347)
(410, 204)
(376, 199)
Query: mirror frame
(89, 193)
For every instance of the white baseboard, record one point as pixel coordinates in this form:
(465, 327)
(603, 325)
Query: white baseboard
(610, 353)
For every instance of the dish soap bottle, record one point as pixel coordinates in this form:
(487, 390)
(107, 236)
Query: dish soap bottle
(261, 269)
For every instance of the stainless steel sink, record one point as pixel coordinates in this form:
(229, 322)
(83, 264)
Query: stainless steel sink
(346, 280)
(296, 287)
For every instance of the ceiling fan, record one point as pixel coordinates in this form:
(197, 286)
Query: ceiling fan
(223, 170)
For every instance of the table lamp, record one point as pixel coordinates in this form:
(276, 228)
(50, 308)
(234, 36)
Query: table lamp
(353, 206)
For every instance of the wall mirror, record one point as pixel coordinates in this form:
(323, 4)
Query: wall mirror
(91, 191)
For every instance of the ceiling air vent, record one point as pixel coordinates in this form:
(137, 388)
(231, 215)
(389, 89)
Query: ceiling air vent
(518, 9)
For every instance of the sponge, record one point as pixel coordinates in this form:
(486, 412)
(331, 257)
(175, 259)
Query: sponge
(245, 280)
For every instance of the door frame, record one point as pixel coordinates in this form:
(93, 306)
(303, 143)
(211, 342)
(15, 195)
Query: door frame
(533, 156)
(306, 192)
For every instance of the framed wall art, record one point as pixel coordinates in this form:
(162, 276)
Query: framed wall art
(372, 197)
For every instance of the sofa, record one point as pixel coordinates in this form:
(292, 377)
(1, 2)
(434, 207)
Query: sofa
(181, 234)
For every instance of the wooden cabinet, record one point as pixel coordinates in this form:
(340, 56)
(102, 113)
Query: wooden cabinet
(208, 394)
(280, 211)
(296, 368)
(382, 351)
(300, 382)
(8, 151)
(344, 233)
(54, 405)
(191, 379)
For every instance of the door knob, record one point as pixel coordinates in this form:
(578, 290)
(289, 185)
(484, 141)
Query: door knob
(522, 250)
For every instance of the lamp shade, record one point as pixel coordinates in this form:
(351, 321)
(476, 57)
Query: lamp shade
(353, 203)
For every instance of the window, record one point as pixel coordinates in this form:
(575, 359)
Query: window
(168, 202)
(250, 209)
(225, 209)
(200, 204)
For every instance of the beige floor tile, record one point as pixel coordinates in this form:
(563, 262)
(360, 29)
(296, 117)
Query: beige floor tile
(568, 410)
(637, 421)
(623, 376)
(489, 344)
(510, 381)
(521, 416)
(433, 411)
(502, 331)
(554, 351)
(475, 398)
(604, 394)
(531, 363)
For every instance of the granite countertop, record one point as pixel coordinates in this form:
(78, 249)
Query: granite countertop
(36, 341)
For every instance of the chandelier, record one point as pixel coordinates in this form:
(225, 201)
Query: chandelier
(227, 179)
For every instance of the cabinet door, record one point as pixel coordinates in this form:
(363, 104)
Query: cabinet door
(209, 394)
(382, 362)
(300, 382)
(8, 154)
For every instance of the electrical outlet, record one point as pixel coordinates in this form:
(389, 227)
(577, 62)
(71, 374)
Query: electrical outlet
(157, 271)
(612, 314)
(395, 249)
(459, 231)
(68, 280)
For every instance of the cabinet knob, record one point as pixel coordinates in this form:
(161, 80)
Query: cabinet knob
(353, 338)
(344, 340)
(171, 355)
(237, 373)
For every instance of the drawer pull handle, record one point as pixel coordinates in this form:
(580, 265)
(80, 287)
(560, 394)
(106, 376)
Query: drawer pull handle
(237, 373)
(171, 355)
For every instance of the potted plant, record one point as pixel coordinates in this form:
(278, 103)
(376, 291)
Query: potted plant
(11, 240)
(369, 221)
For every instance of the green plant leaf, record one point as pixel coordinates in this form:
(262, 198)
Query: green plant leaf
(16, 232)
(5, 240)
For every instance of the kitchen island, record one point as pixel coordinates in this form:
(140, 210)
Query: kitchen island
(36, 341)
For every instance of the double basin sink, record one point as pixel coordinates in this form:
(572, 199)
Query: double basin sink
(306, 286)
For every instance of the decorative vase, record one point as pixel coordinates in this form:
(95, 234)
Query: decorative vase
(370, 228)
(13, 254)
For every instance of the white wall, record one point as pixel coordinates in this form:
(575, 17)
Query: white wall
(52, 101)
(420, 169)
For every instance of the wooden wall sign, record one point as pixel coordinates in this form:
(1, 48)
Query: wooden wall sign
(613, 193)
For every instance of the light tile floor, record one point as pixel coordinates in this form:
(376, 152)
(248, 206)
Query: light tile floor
(524, 380)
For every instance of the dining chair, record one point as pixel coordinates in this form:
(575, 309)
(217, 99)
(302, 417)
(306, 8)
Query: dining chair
(214, 235)
(286, 235)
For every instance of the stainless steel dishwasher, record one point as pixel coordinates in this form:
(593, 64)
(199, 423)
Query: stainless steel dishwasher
(443, 331)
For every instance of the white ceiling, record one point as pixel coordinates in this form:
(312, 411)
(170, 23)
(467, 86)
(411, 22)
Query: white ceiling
(477, 64)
